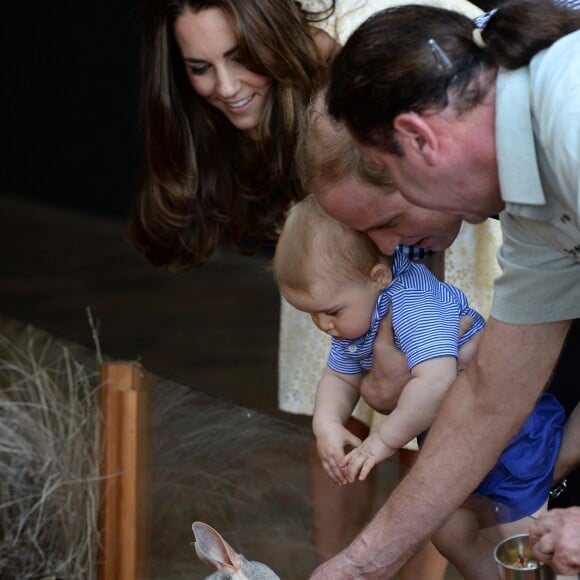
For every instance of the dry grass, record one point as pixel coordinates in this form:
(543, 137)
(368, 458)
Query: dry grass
(214, 461)
(49, 461)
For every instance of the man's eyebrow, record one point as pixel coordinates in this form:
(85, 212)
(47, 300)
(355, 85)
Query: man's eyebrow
(191, 59)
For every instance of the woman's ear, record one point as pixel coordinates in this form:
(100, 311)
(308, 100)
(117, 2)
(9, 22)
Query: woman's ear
(416, 136)
(381, 275)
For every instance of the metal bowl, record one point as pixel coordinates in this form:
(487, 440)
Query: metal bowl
(515, 560)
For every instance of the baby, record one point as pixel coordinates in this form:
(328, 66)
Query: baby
(340, 278)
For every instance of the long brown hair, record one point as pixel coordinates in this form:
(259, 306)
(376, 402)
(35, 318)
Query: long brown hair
(413, 58)
(205, 181)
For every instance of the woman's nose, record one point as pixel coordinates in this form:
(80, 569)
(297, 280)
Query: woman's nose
(227, 83)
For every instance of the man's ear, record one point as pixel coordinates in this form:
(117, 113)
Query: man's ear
(416, 136)
(381, 275)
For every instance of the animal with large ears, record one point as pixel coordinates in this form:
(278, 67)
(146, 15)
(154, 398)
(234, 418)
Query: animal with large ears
(214, 551)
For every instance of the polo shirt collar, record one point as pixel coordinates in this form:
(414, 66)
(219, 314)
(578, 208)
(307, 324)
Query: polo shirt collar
(516, 152)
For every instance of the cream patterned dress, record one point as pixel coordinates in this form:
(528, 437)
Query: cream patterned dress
(470, 263)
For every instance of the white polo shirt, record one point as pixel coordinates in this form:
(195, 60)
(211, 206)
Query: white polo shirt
(538, 152)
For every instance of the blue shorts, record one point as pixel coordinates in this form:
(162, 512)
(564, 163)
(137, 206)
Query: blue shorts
(522, 476)
(521, 480)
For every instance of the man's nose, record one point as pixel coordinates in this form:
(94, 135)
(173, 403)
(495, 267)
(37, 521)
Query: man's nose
(385, 242)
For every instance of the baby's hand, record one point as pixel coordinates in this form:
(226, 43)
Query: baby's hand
(365, 457)
(331, 444)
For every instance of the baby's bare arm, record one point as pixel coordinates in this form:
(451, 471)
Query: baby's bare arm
(413, 414)
(336, 397)
(419, 401)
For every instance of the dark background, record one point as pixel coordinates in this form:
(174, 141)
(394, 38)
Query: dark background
(69, 103)
(69, 162)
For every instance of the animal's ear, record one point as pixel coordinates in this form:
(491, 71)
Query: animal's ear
(213, 550)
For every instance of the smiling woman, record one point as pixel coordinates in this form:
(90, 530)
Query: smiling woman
(223, 85)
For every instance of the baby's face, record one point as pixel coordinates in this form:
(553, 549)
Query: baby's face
(341, 309)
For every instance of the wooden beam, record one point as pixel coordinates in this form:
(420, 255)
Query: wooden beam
(126, 435)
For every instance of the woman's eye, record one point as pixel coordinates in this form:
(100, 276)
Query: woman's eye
(198, 69)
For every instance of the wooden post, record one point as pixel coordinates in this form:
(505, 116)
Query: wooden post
(126, 436)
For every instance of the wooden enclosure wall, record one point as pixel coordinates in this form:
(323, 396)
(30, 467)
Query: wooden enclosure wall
(126, 468)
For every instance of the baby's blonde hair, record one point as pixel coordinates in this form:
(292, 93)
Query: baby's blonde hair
(314, 246)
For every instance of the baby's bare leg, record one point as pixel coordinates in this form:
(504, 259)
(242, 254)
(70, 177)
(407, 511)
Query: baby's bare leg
(460, 540)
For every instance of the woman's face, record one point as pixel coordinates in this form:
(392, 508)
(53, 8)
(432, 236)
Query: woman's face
(208, 46)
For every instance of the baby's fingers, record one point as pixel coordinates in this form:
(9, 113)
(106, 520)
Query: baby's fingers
(368, 464)
(355, 461)
(359, 461)
(348, 458)
(334, 473)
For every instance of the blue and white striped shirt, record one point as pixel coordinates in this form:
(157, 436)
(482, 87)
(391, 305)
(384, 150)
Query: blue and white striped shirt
(426, 315)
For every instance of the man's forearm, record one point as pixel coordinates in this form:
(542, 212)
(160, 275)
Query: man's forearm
(485, 406)
(418, 506)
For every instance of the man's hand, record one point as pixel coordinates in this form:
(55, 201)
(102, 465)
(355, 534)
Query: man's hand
(467, 351)
(337, 568)
(355, 563)
(555, 540)
(382, 385)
